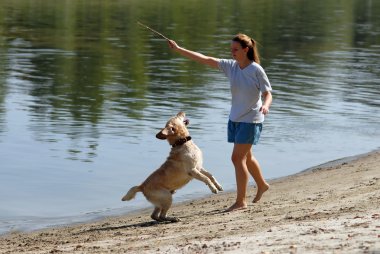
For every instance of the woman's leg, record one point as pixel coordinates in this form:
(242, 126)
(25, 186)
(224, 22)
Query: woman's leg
(255, 170)
(239, 159)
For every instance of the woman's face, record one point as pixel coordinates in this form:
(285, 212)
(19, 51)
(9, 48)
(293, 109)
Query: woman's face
(237, 52)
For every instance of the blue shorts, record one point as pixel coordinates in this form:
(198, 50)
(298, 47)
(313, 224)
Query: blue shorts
(244, 133)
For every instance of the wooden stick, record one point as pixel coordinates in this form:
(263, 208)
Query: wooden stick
(154, 31)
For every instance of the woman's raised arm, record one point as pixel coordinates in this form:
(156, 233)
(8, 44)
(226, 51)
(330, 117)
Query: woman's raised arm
(198, 57)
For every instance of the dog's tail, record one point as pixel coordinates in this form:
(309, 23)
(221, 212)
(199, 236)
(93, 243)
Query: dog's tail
(131, 193)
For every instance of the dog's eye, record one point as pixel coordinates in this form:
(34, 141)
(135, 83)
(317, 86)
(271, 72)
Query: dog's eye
(172, 129)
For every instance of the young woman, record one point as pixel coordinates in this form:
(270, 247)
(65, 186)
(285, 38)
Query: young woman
(248, 83)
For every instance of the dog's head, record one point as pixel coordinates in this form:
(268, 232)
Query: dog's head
(175, 128)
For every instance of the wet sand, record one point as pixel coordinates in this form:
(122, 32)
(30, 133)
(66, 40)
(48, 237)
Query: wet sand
(333, 208)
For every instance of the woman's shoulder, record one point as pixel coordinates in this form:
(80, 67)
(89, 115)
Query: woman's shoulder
(226, 65)
(257, 67)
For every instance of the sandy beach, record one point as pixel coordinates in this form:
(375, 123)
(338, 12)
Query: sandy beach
(333, 208)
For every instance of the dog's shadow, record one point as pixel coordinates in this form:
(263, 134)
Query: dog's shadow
(148, 223)
(136, 225)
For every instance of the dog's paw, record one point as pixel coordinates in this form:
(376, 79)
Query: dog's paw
(219, 187)
(170, 219)
(214, 190)
(158, 219)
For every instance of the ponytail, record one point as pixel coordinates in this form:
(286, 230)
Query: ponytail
(253, 53)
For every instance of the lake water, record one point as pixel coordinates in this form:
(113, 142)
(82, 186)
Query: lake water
(84, 90)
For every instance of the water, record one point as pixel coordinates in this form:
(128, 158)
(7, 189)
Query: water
(84, 90)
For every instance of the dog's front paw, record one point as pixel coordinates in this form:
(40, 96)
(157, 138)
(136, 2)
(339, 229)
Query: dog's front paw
(219, 187)
(214, 190)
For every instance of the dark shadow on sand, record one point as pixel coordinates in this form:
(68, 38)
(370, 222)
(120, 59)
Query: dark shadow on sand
(150, 223)
(136, 225)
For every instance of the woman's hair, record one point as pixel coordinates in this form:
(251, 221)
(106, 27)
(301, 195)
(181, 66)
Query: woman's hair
(246, 41)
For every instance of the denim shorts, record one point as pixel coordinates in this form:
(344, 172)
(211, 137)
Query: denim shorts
(244, 133)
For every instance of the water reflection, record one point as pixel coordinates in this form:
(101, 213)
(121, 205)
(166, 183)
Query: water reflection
(78, 66)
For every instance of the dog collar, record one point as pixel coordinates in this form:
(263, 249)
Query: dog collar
(181, 141)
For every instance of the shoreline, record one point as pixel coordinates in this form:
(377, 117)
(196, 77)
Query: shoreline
(330, 207)
(41, 223)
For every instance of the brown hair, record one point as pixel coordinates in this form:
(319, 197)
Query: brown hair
(246, 41)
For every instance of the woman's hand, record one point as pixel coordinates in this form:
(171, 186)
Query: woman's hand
(264, 109)
(267, 102)
(173, 45)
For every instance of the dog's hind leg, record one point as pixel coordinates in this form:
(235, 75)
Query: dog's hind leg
(162, 199)
(212, 178)
(156, 214)
(166, 201)
(201, 177)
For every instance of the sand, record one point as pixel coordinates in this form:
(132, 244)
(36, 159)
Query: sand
(329, 209)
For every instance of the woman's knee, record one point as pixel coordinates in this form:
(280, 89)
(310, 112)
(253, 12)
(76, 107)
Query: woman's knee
(240, 152)
(238, 158)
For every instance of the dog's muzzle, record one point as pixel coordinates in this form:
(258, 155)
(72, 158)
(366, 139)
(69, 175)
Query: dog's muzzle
(160, 135)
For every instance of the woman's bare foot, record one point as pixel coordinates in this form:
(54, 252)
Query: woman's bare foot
(236, 206)
(260, 192)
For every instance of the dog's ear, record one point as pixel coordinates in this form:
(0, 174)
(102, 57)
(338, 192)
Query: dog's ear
(181, 115)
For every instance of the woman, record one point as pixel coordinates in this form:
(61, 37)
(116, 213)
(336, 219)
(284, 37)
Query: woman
(248, 83)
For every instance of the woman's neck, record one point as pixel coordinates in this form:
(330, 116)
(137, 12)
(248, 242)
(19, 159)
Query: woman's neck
(244, 63)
